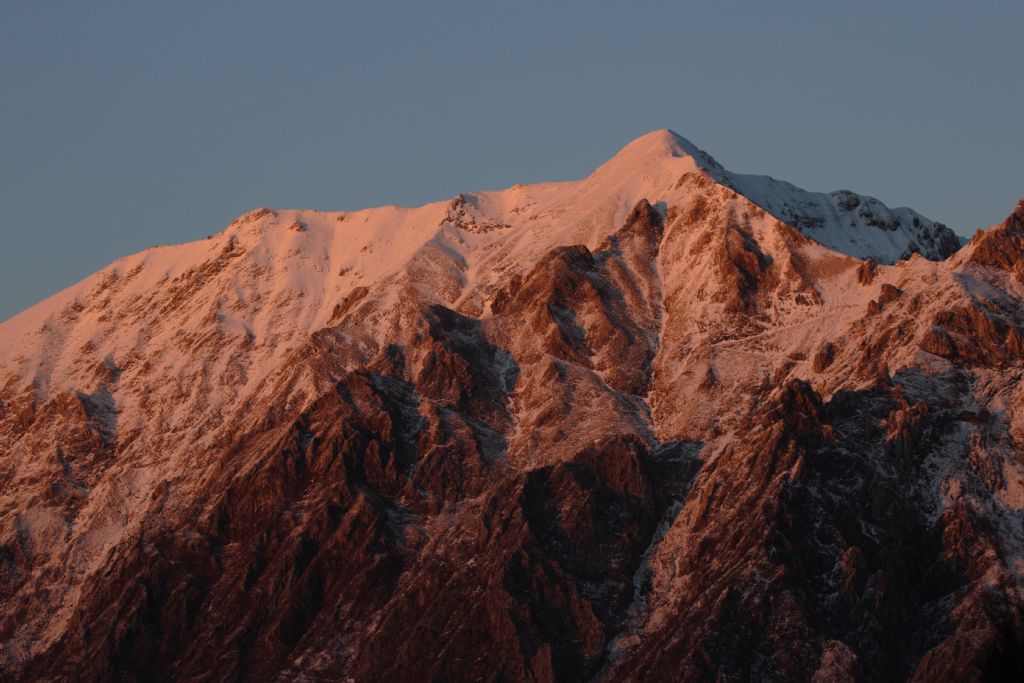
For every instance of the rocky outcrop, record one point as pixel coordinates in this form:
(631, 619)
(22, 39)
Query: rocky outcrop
(1002, 246)
(973, 336)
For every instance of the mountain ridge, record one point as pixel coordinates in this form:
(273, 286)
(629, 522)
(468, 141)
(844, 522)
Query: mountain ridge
(537, 425)
(643, 151)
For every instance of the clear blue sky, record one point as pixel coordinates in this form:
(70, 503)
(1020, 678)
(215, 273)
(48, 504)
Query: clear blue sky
(128, 124)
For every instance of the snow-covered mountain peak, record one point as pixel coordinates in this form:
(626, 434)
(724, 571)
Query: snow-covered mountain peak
(661, 148)
(843, 220)
(274, 275)
(661, 143)
(856, 225)
(584, 387)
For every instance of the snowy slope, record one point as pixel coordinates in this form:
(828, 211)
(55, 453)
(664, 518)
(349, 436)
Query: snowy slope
(217, 317)
(842, 220)
(370, 245)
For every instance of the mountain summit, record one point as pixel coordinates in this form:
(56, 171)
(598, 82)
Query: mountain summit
(659, 144)
(842, 220)
(665, 422)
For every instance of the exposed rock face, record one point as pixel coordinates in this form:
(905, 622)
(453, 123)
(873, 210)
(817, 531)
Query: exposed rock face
(1001, 247)
(639, 427)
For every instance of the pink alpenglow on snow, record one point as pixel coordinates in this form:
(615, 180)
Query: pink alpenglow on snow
(667, 422)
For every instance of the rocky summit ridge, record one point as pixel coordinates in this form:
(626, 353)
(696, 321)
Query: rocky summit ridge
(666, 422)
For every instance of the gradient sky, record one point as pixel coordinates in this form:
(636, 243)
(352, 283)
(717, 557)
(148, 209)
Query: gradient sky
(128, 124)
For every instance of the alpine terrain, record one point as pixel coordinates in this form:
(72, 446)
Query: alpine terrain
(664, 423)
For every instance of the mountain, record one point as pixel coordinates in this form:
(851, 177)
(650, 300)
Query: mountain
(666, 422)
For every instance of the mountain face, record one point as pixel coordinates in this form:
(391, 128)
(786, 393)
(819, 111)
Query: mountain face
(664, 423)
